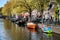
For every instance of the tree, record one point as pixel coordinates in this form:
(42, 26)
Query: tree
(24, 5)
(1, 10)
(27, 5)
(7, 9)
(58, 1)
(42, 4)
(30, 5)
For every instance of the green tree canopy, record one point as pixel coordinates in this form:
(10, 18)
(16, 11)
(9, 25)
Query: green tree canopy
(58, 1)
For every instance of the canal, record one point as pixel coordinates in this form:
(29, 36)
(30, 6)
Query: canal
(11, 31)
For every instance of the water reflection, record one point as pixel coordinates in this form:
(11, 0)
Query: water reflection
(7, 24)
(47, 36)
(11, 31)
(3, 33)
(33, 34)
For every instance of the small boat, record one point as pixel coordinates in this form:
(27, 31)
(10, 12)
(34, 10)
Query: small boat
(47, 29)
(23, 24)
(31, 25)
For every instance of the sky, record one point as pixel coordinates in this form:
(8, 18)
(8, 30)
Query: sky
(2, 2)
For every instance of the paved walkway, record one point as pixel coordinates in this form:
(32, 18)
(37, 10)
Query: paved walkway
(56, 29)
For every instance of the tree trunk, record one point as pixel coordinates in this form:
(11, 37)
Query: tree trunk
(59, 12)
(42, 5)
(42, 15)
(30, 15)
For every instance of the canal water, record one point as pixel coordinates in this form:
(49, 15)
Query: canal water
(11, 31)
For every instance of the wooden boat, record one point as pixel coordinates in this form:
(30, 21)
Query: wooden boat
(31, 25)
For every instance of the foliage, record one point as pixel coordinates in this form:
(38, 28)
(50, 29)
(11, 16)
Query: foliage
(7, 9)
(1, 10)
(58, 1)
(56, 12)
(18, 6)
